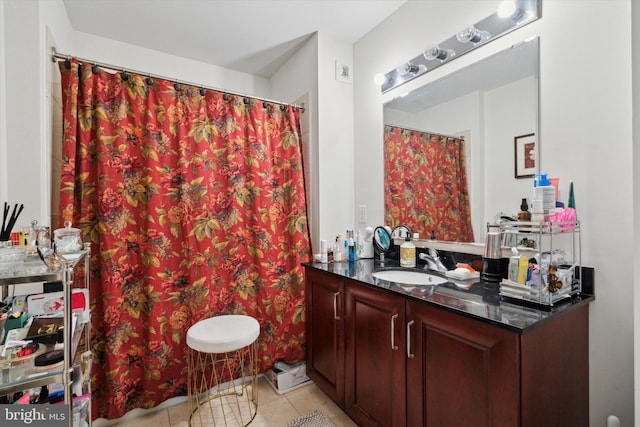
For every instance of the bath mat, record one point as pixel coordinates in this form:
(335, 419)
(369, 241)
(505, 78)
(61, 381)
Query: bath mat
(314, 419)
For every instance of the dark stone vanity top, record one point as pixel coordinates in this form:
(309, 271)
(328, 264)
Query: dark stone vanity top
(469, 297)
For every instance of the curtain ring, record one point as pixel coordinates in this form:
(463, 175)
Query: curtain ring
(149, 80)
(203, 91)
(177, 86)
(95, 69)
(264, 104)
(67, 62)
(225, 96)
(282, 107)
(124, 76)
(245, 100)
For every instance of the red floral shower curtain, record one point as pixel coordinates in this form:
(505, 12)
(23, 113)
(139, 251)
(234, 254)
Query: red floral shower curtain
(194, 203)
(425, 184)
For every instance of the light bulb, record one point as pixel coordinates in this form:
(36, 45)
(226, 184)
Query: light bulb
(507, 8)
(473, 35)
(380, 79)
(407, 68)
(438, 53)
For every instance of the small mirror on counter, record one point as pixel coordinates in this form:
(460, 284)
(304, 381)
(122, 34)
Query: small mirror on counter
(381, 240)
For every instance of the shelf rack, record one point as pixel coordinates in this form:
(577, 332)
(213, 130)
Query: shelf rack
(34, 270)
(547, 238)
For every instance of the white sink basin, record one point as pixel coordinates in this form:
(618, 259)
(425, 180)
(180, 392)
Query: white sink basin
(409, 277)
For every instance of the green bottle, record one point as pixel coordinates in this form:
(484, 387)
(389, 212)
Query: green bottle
(572, 200)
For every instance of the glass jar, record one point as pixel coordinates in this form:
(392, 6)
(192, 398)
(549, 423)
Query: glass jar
(67, 240)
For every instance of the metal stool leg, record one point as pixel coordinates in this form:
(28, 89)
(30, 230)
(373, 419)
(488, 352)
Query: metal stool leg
(212, 402)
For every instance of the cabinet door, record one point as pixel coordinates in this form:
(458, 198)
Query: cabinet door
(460, 372)
(374, 356)
(324, 332)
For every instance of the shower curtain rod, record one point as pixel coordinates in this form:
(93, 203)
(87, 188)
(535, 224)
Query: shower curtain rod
(424, 131)
(55, 55)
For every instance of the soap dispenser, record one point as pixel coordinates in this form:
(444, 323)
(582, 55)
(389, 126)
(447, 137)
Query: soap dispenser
(408, 253)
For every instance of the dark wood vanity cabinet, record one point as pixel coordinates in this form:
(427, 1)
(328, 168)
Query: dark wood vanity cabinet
(324, 329)
(374, 356)
(388, 360)
(460, 372)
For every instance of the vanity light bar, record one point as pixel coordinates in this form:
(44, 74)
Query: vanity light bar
(519, 13)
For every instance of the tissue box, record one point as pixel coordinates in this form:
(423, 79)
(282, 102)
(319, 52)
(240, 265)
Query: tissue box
(284, 380)
(53, 302)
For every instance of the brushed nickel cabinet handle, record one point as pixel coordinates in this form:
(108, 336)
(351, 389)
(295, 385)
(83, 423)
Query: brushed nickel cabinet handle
(393, 333)
(409, 354)
(335, 306)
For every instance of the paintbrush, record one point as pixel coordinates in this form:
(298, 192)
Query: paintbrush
(5, 233)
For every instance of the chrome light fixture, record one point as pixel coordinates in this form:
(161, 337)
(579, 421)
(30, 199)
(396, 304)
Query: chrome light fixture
(511, 15)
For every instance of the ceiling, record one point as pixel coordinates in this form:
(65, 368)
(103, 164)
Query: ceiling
(251, 36)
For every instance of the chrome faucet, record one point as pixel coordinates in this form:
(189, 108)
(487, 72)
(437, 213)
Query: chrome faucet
(433, 260)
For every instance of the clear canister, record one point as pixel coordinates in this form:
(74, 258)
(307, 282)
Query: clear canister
(67, 239)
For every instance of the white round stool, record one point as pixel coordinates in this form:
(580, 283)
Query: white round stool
(223, 371)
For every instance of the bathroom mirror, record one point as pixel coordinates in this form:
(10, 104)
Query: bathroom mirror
(490, 103)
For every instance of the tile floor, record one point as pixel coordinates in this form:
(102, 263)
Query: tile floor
(274, 410)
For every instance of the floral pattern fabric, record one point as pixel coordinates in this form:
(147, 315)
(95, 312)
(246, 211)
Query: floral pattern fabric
(194, 203)
(425, 184)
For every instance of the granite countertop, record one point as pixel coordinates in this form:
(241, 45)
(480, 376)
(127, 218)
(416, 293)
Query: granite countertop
(469, 297)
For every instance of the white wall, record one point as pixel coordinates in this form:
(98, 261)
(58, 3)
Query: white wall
(335, 133)
(507, 113)
(635, 10)
(23, 112)
(298, 76)
(585, 136)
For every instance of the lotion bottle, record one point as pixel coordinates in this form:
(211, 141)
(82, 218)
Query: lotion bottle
(543, 190)
(408, 253)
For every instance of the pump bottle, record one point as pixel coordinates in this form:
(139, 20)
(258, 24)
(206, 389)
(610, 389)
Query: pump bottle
(408, 253)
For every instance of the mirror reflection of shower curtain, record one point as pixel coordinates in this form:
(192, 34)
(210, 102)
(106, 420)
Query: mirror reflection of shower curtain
(425, 184)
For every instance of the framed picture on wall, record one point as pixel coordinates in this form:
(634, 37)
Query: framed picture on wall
(525, 155)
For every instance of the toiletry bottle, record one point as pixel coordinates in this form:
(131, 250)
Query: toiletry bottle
(524, 214)
(356, 246)
(543, 190)
(345, 247)
(323, 252)
(408, 253)
(351, 248)
(337, 249)
(537, 213)
(572, 201)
